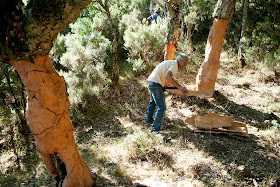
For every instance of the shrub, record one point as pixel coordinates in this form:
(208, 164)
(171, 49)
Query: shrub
(144, 42)
(83, 52)
(139, 145)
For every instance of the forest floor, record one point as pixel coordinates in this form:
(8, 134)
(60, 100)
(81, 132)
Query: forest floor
(126, 154)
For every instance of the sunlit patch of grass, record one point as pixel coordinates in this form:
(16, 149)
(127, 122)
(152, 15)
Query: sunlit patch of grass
(144, 157)
(32, 172)
(136, 145)
(7, 161)
(274, 107)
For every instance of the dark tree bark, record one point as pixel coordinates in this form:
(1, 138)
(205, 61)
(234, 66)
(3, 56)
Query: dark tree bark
(241, 45)
(189, 35)
(207, 75)
(115, 42)
(26, 37)
(172, 33)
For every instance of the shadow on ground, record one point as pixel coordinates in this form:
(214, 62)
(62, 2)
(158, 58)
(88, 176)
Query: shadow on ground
(257, 162)
(244, 158)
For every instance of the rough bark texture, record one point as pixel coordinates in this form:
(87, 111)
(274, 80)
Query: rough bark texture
(207, 75)
(241, 45)
(214, 123)
(224, 9)
(48, 119)
(189, 35)
(172, 33)
(190, 29)
(30, 30)
(115, 42)
(114, 49)
(26, 37)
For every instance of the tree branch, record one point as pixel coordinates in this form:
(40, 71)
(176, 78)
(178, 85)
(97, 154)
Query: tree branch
(159, 4)
(106, 2)
(98, 9)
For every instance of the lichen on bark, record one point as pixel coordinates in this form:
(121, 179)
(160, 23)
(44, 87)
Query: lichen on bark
(224, 9)
(30, 30)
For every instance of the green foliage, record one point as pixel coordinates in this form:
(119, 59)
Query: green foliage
(14, 130)
(199, 14)
(117, 10)
(84, 53)
(262, 36)
(139, 145)
(144, 42)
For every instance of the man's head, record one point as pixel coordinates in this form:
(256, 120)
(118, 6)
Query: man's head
(182, 61)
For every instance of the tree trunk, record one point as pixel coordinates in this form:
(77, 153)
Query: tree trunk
(152, 7)
(26, 37)
(189, 33)
(241, 59)
(172, 32)
(207, 75)
(169, 52)
(48, 119)
(115, 43)
(114, 52)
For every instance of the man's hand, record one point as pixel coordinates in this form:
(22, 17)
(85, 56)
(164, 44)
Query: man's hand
(183, 89)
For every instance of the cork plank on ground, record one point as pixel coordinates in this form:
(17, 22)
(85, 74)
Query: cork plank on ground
(197, 93)
(222, 132)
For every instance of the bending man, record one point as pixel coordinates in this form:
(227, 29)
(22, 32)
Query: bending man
(156, 81)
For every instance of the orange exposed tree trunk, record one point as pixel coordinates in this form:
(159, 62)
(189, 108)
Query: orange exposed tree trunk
(207, 75)
(49, 122)
(26, 38)
(169, 52)
(172, 33)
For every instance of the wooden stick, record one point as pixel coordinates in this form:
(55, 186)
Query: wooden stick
(196, 93)
(222, 132)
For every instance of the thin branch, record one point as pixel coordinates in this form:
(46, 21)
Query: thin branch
(100, 10)
(100, 3)
(106, 2)
(159, 4)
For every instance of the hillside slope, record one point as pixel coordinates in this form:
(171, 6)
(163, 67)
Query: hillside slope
(117, 145)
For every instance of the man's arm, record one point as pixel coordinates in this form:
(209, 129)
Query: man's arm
(169, 78)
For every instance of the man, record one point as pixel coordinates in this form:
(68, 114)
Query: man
(153, 17)
(156, 81)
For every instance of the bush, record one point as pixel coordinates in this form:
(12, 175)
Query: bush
(144, 42)
(139, 145)
(84, 52)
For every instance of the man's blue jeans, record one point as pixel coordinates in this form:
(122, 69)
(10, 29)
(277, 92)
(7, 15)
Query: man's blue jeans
(157, 98)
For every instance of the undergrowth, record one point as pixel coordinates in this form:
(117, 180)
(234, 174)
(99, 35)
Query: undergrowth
(129, 155)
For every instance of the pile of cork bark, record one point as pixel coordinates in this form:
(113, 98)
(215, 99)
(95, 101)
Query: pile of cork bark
(214, 123)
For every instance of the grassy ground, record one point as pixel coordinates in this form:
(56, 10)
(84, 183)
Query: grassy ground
(130, 156)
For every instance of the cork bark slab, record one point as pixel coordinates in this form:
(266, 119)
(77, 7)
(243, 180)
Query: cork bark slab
(49, 121)
(197, 93)
(214, 123)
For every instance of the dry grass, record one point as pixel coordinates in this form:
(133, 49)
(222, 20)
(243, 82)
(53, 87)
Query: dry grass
(131, 156)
